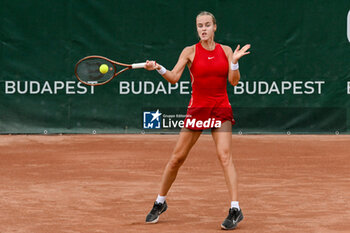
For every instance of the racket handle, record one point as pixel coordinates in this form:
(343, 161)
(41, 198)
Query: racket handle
(138, 65)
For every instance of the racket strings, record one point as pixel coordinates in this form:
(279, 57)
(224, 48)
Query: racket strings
(89, 70)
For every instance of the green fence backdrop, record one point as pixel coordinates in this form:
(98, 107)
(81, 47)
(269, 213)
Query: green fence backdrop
(296, 79)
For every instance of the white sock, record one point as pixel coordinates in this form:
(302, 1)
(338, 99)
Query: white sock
(161, 199)
(235, 204)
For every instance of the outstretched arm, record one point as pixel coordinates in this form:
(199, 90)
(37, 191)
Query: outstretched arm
(174, 75)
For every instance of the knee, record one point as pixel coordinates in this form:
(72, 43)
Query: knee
(176, 162)
(225, 158)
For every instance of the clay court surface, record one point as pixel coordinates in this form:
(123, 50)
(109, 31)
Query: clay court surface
(107, 183)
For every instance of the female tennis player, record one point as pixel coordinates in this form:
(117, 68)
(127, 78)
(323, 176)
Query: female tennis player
(210, 65)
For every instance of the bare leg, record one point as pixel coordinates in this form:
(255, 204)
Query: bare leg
(187, 139)
(223, 141)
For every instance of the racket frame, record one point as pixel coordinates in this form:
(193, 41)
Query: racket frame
(114, 63)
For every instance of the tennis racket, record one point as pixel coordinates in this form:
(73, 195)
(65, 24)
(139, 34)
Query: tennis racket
(98, 70)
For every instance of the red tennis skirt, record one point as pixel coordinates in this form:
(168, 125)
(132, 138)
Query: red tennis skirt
(209, 116)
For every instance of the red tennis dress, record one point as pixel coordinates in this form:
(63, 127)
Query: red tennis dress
(209, 106)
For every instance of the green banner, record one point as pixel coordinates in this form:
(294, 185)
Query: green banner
(296, 79)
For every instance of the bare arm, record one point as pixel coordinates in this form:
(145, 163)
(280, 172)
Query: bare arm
(174, 75)
(234, 75)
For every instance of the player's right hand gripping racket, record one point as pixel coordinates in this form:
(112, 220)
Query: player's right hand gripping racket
(98, 70)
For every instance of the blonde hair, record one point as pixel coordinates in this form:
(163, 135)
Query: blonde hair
(207, 13)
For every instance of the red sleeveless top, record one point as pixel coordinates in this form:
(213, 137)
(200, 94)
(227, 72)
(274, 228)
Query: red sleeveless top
(209, 100)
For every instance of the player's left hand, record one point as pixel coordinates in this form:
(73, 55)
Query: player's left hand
(238, 53)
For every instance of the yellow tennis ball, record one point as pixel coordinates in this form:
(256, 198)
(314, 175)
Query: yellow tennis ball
(103, 68)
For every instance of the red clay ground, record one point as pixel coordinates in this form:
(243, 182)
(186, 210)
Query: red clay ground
(107, 183)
